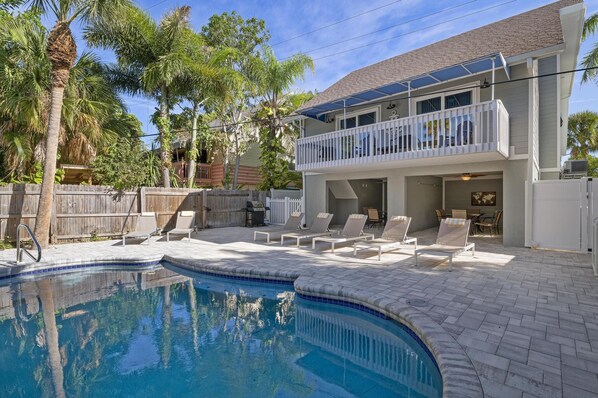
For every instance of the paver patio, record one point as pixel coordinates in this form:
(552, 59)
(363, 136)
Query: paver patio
(527, 319)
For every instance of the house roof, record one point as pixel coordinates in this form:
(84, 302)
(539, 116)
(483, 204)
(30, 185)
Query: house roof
(524, 33)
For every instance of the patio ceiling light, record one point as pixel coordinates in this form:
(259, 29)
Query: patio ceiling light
(466, 176)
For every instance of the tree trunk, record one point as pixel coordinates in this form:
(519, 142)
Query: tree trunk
(62, 52)
(46, 297)
(226, 167)
(44, 208)
(193, 149)
(165, 140)
(237, 158)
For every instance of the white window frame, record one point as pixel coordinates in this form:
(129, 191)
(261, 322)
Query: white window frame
(355, 114)
(474, 87)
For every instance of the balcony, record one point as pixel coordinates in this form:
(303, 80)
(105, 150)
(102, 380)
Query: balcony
(203, 174)
(466, 134)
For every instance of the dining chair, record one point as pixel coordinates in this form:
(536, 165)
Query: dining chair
(462, 214)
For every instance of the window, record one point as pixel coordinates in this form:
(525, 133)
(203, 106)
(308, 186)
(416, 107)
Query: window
(359, 118)
(444, 101)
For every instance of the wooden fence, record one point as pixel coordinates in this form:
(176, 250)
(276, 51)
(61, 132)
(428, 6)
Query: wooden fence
(82, 211)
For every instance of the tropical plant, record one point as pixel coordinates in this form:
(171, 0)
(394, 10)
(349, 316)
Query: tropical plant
(151, 61)
(93, 115)
(62, 53)
(125, 165)
(275, 78)
(234, 108)
(582, 136)
(590, 60)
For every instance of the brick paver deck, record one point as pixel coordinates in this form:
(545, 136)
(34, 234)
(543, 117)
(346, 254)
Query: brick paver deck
(527, 320)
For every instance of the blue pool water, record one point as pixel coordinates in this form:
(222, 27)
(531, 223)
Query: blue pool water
(166, 334)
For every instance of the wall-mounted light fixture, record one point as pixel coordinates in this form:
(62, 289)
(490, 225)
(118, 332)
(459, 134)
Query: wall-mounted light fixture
(329, 119)
(485, 84)
(391, 105)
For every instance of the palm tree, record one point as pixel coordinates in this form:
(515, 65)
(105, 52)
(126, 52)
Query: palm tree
(93, 116)
(62, 53)
(207, 78)
(582, 137)
(151, 62)
(275, 78)
(590, 60)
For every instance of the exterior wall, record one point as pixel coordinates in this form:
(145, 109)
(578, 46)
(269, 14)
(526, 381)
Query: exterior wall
(514, 96)
(369, 193)
(424, 197)
(514, 194)
(400, 188)
(457, 194)
(548, 114)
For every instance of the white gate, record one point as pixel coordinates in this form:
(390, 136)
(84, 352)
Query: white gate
(563, 211)
(281, 209)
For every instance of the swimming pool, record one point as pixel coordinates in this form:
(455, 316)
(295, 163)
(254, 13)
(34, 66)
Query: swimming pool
(99, 333)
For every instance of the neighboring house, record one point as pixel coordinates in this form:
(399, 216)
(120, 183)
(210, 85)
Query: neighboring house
(427, 128)
(210, 169)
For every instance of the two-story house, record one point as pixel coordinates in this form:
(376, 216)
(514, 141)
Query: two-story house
(483, 111)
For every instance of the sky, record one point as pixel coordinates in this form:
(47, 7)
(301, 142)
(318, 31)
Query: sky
(370, 32)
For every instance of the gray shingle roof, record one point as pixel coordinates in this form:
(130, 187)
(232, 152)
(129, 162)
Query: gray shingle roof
(533, 30)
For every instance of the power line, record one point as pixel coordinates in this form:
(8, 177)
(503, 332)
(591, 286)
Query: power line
(415, 31)
(483, 86)
(336, 23)
(155, 5)
(390, 27)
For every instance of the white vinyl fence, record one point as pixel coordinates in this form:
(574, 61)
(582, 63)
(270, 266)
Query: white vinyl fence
(281, 209)
(563, 214)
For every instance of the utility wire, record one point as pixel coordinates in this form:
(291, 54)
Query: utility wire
(415, 31)
(483, 86)
(155, 5)
(336, 23)
(389, 27)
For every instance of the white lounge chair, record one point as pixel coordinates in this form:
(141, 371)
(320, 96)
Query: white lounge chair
(353, 230)
(185, 224)
(146, 226)
(318, 228)
(293, 223)
(451, 240)
(393, 236)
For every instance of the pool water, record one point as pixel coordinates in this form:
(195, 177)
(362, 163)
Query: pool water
(162, 333)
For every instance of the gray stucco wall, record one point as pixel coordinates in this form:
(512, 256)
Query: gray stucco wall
(341, 208)
(548, 117)
(514, 177)
(457, 194)
(369, 193)
(424, 196)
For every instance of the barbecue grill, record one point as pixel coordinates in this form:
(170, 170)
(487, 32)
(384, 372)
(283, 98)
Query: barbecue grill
(255, 213)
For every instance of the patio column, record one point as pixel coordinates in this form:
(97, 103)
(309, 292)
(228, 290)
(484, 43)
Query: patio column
(409, 96)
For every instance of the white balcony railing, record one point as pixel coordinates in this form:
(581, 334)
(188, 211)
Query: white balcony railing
(478, 128)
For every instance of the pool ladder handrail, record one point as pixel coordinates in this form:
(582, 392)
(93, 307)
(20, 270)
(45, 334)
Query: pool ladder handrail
(21, 250)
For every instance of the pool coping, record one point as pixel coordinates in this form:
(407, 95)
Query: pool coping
(459, 377)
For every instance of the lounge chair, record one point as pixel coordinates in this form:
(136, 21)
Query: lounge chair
(352, 231)
(293, 223)
(393, 236)
(318, 228)
(185, 224)
(451, 240)
(146, 226)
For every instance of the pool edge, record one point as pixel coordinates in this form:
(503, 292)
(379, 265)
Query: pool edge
(459, 377)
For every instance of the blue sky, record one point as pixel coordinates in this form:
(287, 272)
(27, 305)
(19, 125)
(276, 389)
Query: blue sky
(408, 28)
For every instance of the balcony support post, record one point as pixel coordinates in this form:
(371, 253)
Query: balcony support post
(493, 75)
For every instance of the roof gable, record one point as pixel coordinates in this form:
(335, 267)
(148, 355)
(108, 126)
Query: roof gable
(520, 34)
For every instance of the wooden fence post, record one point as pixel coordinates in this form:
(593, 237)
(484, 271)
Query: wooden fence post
(204, 207)
(53, 219)
(142, 200)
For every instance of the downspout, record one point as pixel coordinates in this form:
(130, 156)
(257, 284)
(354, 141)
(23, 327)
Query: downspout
(409, 96)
